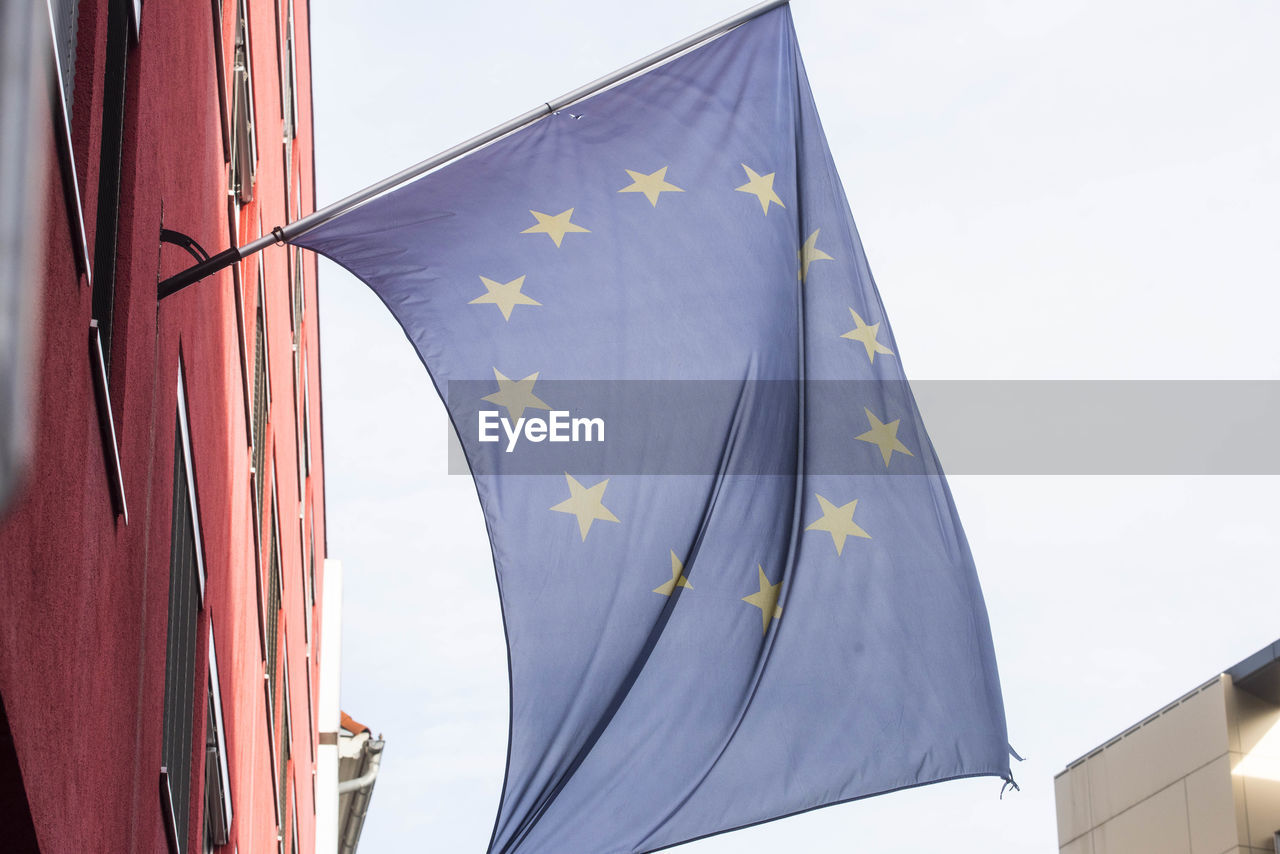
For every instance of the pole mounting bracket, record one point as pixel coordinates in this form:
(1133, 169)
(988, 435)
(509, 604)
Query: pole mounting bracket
(183, 241)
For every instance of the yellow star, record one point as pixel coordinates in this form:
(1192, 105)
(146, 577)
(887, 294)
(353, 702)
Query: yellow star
(767, 599)
(677, 578)
(761, 186)
(867, 335)
(555, 227)
(838, 522)
(810, 253)
(505, 297)
(884, 436)
(516, 395)
(585, 503)
(651, 185)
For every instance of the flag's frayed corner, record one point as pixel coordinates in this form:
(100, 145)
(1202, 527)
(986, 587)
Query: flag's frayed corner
(1009, 782)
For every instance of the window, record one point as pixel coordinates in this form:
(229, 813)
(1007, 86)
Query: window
(188, 468)
(306, 418)
(302, 571)
(286, 160)
(261, 400)
(290, 89)
(273, 611)
(311, 718)
(186, 591)
(65, 15)
(220, 66)
(297, 287)
(297, 305)
(217, 777)
(244, 141)
(64, 18)
(111, 167)
(276, 673)
(311, 559)
(238, 277)
(256, 402)
(285, 742)
(259, 409)
(288, 94)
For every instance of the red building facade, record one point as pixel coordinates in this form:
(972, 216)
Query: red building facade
(161, 562)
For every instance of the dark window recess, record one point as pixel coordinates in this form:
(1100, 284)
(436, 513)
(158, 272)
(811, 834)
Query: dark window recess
(295, 292)
(312, 567)
(302, 571)
(306, 419)
(295, 287)
(220, 66)
(273, 614)
(311, 742)
(110, 168)
(213, 832)
(285, 791)
(289, 96)
(66, 14)
(244, 144)
(298, 305)
(217, 774)
(24, 57)
(286, 158)
(276, 699)
(180, 656)
(259, 411)
(284, 757)
(209, 836)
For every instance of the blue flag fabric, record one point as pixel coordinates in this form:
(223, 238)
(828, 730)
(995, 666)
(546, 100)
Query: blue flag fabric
(784, 618)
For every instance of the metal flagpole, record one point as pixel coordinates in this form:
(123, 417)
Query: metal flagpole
(281, 234)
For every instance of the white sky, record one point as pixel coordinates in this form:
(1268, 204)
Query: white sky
(1045, 190)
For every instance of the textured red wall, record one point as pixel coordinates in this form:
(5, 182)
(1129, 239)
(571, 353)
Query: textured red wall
(83, 595)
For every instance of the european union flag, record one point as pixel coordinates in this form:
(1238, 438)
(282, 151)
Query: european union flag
(734, 583)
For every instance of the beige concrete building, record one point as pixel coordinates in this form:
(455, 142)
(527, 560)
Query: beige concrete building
(1200, 776)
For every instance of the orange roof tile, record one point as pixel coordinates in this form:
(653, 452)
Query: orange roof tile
(351, 725)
